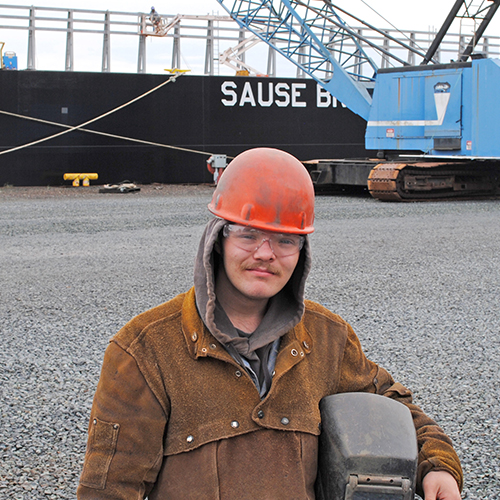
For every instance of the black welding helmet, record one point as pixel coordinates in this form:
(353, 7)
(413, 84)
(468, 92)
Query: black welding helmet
(367, 449)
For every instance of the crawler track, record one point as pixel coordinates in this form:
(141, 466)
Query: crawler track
(396, 181)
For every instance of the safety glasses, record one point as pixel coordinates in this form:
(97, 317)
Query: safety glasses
(250, 239)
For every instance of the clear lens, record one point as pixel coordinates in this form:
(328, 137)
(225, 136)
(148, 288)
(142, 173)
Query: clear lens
(250, 239)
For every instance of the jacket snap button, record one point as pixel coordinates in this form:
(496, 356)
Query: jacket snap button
(95, 421)
(204, 349)
(194, 337)
(306, 345)
(375, 381)
(115, 426)
(235, 424)
(237, 373)
(294, 352)
(260, 414)
(190, 439)
(285, 421)
(213, 346)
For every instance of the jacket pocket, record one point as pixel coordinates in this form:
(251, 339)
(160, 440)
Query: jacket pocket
(100, 450)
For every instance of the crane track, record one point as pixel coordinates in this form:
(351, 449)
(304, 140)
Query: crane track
(396, 181)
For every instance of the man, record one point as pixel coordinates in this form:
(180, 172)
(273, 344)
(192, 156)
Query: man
(214, 394)
(155, 18)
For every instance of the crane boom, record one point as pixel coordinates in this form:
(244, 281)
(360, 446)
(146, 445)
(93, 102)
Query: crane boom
(305, 35)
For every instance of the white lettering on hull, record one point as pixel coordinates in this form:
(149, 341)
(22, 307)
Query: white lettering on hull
(280, 94)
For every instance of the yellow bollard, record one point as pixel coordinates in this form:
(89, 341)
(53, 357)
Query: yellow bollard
(76, 178)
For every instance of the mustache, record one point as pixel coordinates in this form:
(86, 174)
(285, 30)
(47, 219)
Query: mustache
(268, 268)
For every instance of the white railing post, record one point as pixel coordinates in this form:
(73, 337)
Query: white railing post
(69, 43)
(106, 63)
(31, 41)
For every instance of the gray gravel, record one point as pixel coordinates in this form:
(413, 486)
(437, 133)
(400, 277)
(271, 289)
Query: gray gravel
(418, 282)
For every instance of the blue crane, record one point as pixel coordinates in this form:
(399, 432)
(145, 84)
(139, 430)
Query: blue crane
(433, 127)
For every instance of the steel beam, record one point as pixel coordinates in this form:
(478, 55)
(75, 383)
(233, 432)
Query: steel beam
(209, 52)
(106, 60)
(69, 43)
(271, 62)
(141, 59)
(31, 41)
(176, 49)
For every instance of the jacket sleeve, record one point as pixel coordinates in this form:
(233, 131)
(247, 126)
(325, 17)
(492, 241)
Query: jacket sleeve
(435, 447)
(126, 428)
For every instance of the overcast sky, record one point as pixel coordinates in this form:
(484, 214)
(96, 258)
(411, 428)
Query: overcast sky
(50, 47)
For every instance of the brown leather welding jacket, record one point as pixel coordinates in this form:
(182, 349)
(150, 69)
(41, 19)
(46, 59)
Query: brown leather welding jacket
(175, 417)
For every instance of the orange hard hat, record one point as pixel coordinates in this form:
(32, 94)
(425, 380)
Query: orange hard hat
(267, 189)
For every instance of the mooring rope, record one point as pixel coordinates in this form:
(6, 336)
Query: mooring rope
(97, 132)
(70, 128)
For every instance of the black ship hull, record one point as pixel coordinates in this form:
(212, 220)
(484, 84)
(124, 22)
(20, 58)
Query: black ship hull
(218, 115)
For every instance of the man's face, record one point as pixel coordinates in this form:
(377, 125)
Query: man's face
(258, 274)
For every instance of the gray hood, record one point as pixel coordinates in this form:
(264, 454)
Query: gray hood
(284, 312)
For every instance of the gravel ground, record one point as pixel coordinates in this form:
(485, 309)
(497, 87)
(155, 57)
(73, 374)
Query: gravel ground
(418, 282)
